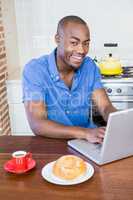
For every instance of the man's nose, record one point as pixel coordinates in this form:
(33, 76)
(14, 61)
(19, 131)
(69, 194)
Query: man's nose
(80, 49)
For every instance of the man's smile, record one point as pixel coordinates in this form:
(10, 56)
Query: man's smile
(77, 58)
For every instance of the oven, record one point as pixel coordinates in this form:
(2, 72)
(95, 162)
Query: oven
(120, 93)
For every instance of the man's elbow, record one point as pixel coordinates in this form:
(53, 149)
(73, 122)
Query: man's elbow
(107, 110)
(37, 126)
(35, 130)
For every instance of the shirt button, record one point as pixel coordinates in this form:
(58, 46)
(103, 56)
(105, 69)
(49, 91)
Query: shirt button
(56, 78)
(67, 111)
(51, 75)
(69, 94)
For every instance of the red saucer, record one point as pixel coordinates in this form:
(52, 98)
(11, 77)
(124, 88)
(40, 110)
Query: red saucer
(9, 167)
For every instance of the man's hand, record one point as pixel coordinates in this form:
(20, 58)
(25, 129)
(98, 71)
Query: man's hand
(95, 135)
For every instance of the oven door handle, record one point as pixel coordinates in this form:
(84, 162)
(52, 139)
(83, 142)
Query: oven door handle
(123, 100)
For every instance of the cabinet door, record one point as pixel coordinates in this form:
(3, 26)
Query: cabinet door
(19, 123)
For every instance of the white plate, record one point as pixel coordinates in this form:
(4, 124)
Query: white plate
(50, 177)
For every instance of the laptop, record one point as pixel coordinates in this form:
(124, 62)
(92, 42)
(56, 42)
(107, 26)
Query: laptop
(117, 143)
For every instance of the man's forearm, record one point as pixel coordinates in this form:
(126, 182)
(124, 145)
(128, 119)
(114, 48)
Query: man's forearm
(107, 111)
(52, 129)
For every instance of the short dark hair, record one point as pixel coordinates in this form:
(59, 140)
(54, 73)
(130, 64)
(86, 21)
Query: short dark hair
(67, 19)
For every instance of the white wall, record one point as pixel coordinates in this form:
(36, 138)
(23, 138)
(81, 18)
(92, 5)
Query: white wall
(109, 20)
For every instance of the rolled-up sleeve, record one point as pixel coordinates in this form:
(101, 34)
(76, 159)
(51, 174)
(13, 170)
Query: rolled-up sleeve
(97, 84)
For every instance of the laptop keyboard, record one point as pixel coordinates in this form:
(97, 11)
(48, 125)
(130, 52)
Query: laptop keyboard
(96, 147)
(92, 151)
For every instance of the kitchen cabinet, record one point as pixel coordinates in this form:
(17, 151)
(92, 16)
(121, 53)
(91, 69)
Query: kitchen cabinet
(19, 123)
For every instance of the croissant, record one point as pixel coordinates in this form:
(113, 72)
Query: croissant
(69, 167)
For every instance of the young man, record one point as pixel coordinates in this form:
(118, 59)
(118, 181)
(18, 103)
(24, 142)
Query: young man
(58, 88)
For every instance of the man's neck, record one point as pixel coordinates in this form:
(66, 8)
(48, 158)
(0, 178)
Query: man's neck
(62, 67)
(65, 71)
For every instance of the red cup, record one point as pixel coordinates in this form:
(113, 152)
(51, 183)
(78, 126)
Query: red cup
(21, 159)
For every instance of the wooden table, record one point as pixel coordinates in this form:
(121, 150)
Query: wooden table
(113, 181)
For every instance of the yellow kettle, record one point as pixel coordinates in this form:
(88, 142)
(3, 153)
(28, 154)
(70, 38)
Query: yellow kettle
(110, 66)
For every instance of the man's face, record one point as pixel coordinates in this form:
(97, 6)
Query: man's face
(72, 45)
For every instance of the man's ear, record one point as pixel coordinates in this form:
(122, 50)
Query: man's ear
(57, 39)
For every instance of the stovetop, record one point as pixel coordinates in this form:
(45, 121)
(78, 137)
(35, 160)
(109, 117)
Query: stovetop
(125, 76)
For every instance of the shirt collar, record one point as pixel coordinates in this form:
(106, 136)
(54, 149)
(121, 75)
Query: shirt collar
(52, 67)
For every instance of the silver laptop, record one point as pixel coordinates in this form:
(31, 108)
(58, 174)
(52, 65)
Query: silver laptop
(117, 143)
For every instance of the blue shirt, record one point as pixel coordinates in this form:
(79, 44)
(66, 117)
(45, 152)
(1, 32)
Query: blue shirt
(41, 82)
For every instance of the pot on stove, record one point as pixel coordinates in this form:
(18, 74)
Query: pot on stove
(110, 66)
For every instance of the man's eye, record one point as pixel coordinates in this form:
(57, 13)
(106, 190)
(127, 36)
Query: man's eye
(86, 44)
(74, 43)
